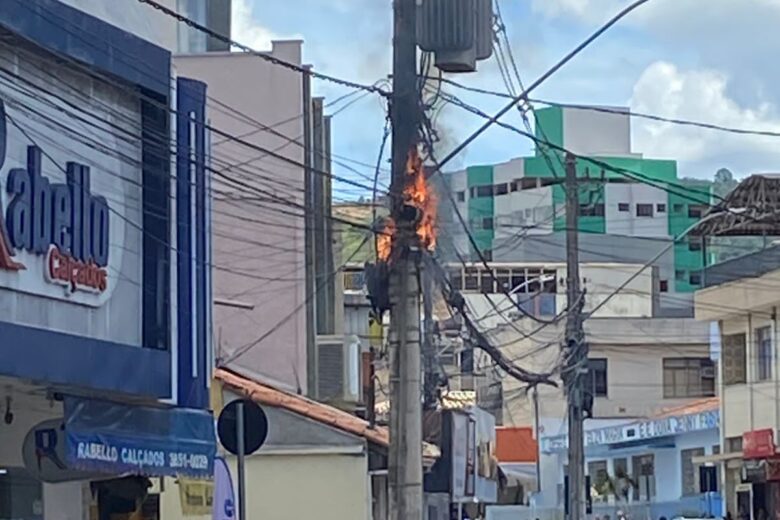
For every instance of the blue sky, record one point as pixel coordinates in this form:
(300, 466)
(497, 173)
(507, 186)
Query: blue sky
(674, 58)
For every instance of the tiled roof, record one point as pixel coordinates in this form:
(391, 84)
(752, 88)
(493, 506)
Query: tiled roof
(270, 396)
(703, 405)
(515, 445)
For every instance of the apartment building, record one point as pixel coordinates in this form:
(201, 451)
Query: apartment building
(630, 206)
(741, 298)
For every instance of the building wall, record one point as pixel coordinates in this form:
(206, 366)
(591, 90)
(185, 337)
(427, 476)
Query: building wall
(294, 486)
(586, 132)
(258, 244)
(141, 20)
(634, 350)
(668, 464)
(627, 222)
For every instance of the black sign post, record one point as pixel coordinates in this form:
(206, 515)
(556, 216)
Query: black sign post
(242, 429)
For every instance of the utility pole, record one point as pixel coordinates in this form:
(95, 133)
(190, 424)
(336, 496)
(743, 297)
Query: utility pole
(405, 461)
(576, 349)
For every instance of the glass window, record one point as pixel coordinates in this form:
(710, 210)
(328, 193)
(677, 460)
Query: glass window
(487, 222)
(660, 208)
(689, 480)
(518, 281)
(734, 359)
(502, 189)
(599, 479)
(456, 278)
(596, 379)
(485, 191)
(471, 282)
(502, 277)
(487, 255)
(527, 183)
(734, 444)
(764, 353)
(21, 495)
(694, 278)
(695, 211)
(678, 208)
(534, 284)
(624, 207)
(644, 476)
(663, 285)
(688, 377)
(461, 196)
(679, 275)
(694, 243)
(592, 210)
(514, 185)
(486, 283)
(644, 210)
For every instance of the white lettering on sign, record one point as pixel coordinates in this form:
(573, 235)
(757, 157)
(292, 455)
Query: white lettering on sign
(640, 430)
(96, 451)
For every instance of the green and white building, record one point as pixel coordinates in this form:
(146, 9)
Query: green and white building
(516, 210)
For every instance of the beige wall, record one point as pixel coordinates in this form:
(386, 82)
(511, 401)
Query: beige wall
(634, 350)
(259, 241)
(295, 487)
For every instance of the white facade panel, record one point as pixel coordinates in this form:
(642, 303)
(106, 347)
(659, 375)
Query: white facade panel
(625, 202)
(586, 132)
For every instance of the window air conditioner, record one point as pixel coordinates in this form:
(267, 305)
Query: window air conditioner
(337, 364)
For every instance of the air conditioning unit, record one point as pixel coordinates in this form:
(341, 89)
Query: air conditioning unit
(337, 369)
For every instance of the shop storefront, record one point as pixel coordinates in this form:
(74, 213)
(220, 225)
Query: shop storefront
(757, 495)
(644, 467)
(104, 286)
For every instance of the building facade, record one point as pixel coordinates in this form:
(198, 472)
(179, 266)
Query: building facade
(516, 210)
(643, 467)
(105, 376)
(215, 15)
(740, 298)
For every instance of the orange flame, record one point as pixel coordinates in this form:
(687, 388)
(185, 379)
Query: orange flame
(417, 193)
(384, 240)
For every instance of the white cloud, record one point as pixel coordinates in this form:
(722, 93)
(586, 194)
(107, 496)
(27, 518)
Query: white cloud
(247, 31)
(699, 95)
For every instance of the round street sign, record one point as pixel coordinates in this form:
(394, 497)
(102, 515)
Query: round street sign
(255, 426)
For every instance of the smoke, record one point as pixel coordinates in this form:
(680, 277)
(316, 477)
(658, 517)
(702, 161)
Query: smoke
(444, 120)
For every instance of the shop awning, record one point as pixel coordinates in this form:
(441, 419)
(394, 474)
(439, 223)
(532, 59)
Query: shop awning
(141, 440)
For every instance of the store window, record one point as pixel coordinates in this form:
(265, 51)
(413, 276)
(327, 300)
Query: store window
(734, 359)
(599, 480)
(21, 495)
(764, 353)
(644, 476)
(688, 377)
(689, 480)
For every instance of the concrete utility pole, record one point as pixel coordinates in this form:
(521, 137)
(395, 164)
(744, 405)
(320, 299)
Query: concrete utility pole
(576, 349)
(405, 464)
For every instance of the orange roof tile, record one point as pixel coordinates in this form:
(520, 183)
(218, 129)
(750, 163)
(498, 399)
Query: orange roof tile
(515, 445)
(703, 405)
(268, 395)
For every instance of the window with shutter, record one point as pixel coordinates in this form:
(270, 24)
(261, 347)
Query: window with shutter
(689, 475)
(734, 359)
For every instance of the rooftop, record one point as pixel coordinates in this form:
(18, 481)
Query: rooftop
(320, 412)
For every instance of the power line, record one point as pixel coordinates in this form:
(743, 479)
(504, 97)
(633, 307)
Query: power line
(524, 95)
(265, 56)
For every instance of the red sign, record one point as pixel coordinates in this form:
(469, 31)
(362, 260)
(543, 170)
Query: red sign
(758, 444)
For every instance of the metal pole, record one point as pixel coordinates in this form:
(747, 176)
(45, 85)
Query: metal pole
(429, 349)
(576, 348)
(405, 454)
(538, 441)
(241, 450)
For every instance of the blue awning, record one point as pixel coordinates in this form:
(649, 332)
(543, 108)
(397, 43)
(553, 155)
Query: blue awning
(141, 440)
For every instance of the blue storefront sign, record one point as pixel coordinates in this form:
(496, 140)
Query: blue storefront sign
(640, 430)
(117, 439)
